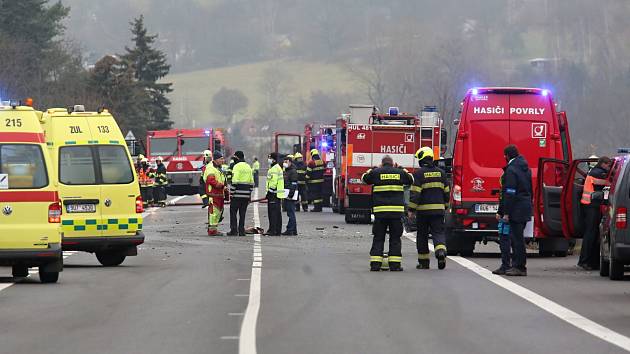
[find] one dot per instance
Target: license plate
(486, 208)
(81, 208)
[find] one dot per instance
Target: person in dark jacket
(241, 193)
(517, 206)
(388, 206)
(315, 180)
(161, 181)
(592, 197)
(291, 185)
(300, 166)
(504, 233)
(428, 200)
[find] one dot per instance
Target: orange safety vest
(144, 178)
(589, 188)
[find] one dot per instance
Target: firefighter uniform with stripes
(207, 160)
(429, 199)
(275, 195)
(146, 178)
(315, 180)
(161, 181)
(300, 167)
(592, 197)
(215, 186)
(241, 192)
(388, 205)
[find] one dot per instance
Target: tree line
(39, 62)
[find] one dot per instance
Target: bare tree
(229, 102)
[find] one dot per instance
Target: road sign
(130, 136)
(539, 130)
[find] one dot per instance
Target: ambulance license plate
(81, 208)
(486, 208)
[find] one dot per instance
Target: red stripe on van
(29, 196)
(22, 137)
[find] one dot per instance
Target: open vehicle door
(572, 226)
(548, 210)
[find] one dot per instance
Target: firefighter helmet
(424, 152)
(144, 159)
(314, 152)
(207, 153)
(297, 155)
(140, 157)
(159, 158)
(289, 157)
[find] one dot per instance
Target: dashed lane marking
(247, 338)
(561, 312)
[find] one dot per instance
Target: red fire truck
(363, 137)
(182, 151)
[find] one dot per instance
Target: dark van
(491, 118)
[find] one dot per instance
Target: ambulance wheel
(19, 271)
(615, 268)
(110, 259)
(48, 277)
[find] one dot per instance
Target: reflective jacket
(430, 191)
(275, 183)
(256, 165)
(242, 181)
(215, 181)
(300, 167)
(291, 180)
(593, 187)
(146, 177)
(517, 190)
(160, 175)
(388, 190)
(315, 171)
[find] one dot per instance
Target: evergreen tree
(149, 66)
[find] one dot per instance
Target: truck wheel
(349, 219)
(604, 269)
(19, 271)
(110, 259)
(48, 277)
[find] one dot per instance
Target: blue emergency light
(393, 111)
(545, 92)
(207, 132)
(475, 91)
(324, 144)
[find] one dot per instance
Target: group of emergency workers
(290, 184)
(428, 200)
(153, 181)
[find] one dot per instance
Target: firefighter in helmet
(207, 160)
(315, 180)
(429, 199)
(215, 189)
(161, 182)
(146, 177)
(300, 167)
(388, 206)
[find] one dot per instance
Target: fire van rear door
(551, 180)
(571, 196)
(400, 144)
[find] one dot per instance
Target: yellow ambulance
(30, 209)
(98, 185)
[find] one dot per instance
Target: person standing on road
(504, 233)
(429, 199)
(592, 197)
(215, 189)
(517, 206)
(256, 170)
(300, 167)
(161, 181)
(388, 205)
(315, 180)
(291, 185)
(241, 191)
(275, 194)
(207, 160)
(146, 176)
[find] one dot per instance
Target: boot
(395, 267)
(441, 258)
(516, 272)
(215, 233)
(375, 266)
(385, 264)
(423, 264)
(232, 233)
(305, 207)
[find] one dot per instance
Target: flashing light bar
(475, 91)
(545, 92)
(393, 111)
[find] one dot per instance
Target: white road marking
(563, 313)
(241, 295)
(247, 340)
(236, 314)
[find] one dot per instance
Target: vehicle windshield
(22, 167)
(163, 146)
(195, 146)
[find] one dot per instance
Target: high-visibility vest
(242, 181)
(592, 185)
(275, 181)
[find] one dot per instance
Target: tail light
(457, 194)
(54, 213)
(139, 206)
(621, 218)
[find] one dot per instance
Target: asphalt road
(190, 293)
